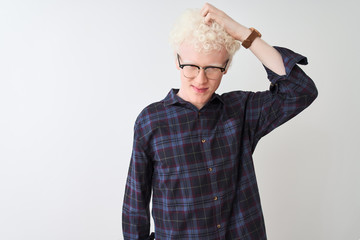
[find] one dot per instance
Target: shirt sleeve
(289, 94)
(136, 213)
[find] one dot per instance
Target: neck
(197, 105)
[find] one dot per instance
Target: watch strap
(249, 40)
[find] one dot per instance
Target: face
(198, 90)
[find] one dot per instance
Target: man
(194, 148)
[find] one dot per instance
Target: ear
(226, 69)
(176, 61)
(228, 66)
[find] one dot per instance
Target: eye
(213, 69)
(192, 68)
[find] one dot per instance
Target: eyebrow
(207, 66)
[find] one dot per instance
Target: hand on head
(233, 28)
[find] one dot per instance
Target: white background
(75, 74)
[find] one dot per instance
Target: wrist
(251, 38)
(243, 34)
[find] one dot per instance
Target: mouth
(199, 90)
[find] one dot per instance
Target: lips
(199, 90)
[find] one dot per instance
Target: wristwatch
(253, 35)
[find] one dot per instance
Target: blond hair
(191, 28)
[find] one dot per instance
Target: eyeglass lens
(211, 73)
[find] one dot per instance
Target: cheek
(185, 83)
(216, 85)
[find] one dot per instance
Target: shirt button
(215, 198)
(218, 226)
(203, 140)
(210, 169)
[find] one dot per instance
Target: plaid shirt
(198, 163)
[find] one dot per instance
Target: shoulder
(149, 119)
(235, 97)
(238, 102)
(157, 111)
(151, 113)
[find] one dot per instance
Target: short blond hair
(190, 27)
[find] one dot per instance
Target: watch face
(253, 35)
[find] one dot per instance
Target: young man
(194, 148)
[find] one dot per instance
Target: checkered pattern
(198, 163)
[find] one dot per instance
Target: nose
(201, 77)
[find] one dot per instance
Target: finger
(208, 18)
(207, 8)
(208, 5)
(204, 10)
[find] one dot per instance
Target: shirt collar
(172, 98)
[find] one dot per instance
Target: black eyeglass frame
(222, 69)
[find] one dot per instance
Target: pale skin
(199, 90)
(263, 51)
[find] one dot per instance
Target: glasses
(192, 71)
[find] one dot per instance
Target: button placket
(205, 141)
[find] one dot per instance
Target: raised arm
(268, 55)
(291, 90)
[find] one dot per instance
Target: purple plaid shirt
(198, 163)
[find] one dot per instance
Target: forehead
(189, 54)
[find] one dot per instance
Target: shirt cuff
(290, 59)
